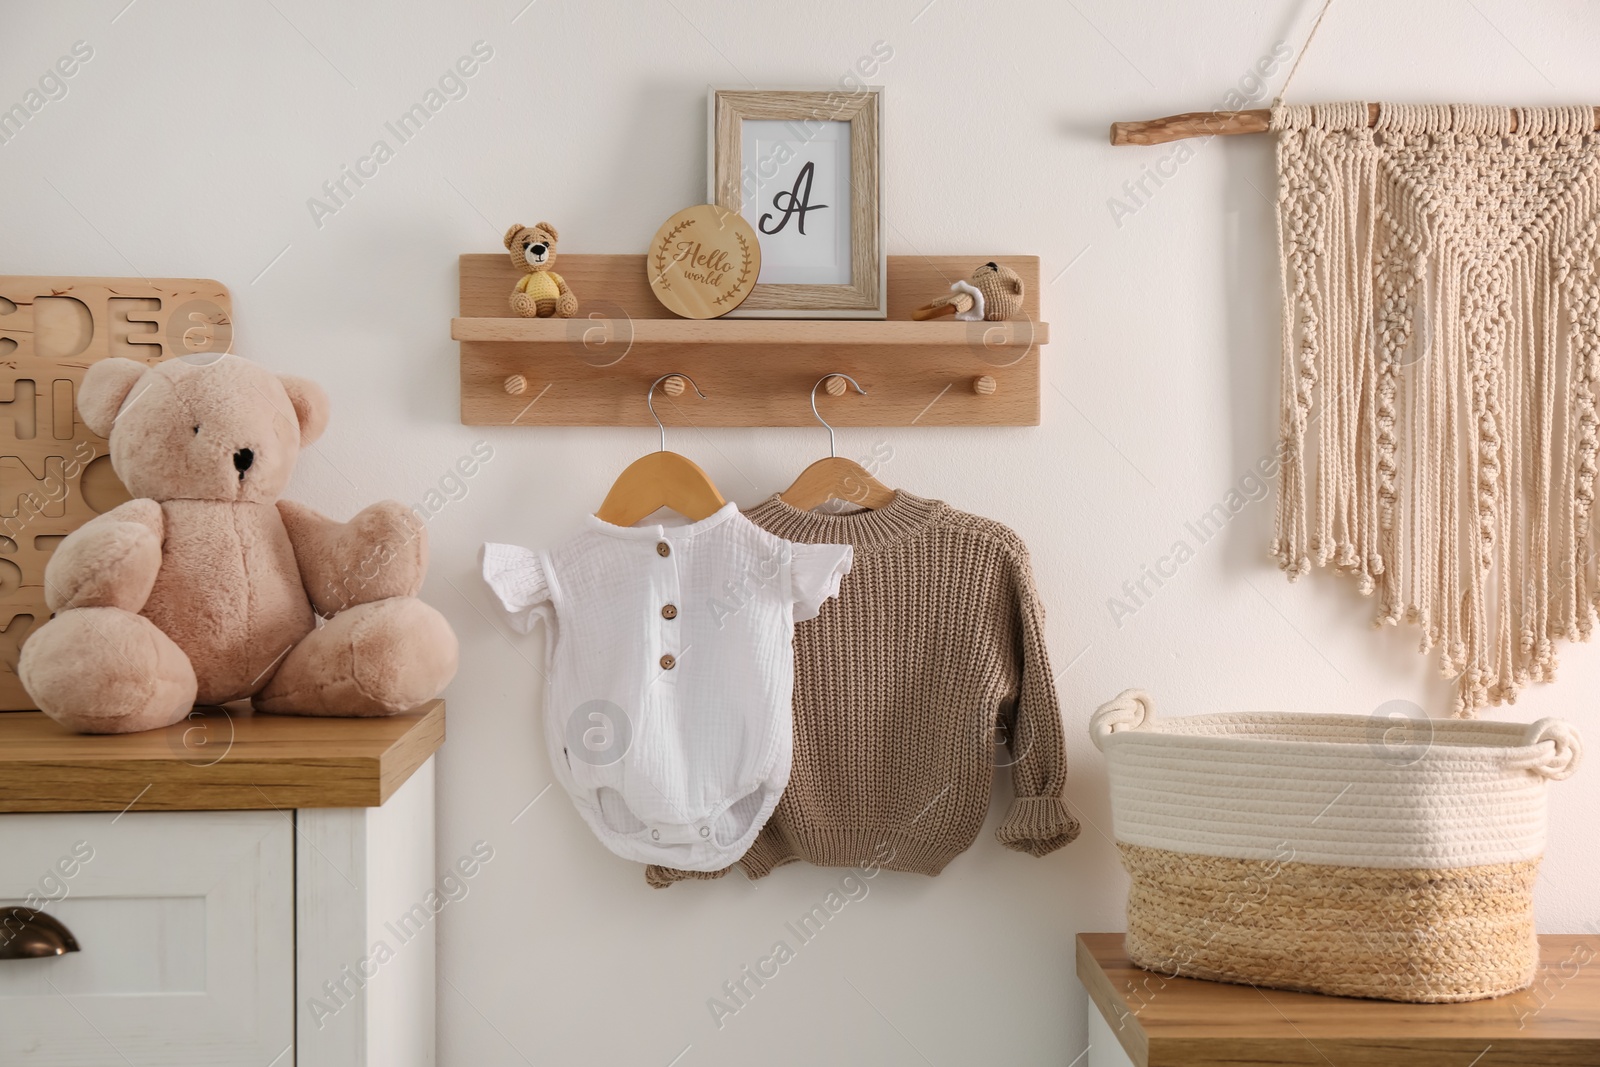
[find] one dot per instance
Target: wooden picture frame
(838, 270)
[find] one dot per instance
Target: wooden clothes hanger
(661, 479)
(835, 478)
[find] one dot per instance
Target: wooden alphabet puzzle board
(55, 473)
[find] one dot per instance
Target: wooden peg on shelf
(835, 385)
(673, 386)
(984, 385)
(516, 385)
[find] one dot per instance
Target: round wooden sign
(703, 262)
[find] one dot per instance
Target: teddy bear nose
(538, 250)
(242, 460)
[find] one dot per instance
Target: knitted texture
(1441, 328)
(927, 673)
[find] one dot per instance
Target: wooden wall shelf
(593, 370)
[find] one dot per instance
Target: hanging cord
(1315, 26)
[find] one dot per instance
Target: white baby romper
(668, 712)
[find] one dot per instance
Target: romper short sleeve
(814, 574)
(517, 576)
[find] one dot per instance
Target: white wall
(190, 143)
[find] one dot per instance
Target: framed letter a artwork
(805, 169)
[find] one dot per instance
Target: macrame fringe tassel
(1440, 427)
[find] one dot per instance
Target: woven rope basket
(1343, 854)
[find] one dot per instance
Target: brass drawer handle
(27, 934)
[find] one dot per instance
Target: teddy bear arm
(381, 553)
(566, 299)
(111, 561)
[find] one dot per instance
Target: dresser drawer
(185, 922)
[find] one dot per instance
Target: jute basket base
(1409, 934)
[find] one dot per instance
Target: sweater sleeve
(1038, 822)
(661, 877)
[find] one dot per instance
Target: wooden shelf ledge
(1181, 1022)
(775, 332)
(220, 759)
(593, 369)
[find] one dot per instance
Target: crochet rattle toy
(992, 294)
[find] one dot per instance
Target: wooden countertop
(1181, 1022)
(217, 759)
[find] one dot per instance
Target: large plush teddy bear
(206, 587)
(542, 292)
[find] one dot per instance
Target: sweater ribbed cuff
(661, 877)
(1037, 825)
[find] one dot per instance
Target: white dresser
(241, 890)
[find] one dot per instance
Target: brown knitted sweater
(906, 685)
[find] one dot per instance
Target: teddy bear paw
(107, 671)
(380, 658)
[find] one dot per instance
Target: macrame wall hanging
(1442, 332)
(1441, 369)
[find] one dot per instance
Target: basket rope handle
(1131, 710)
(1561, 759)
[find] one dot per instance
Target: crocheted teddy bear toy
(542, 292)
(992, 294)
(207, 588)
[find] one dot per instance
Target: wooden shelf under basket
(593, 369)
(1152, 1019)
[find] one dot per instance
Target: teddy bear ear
(310, 406)
(106, 385)
(511, 235)
(549, 229)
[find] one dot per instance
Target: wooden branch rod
(1210, 123)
